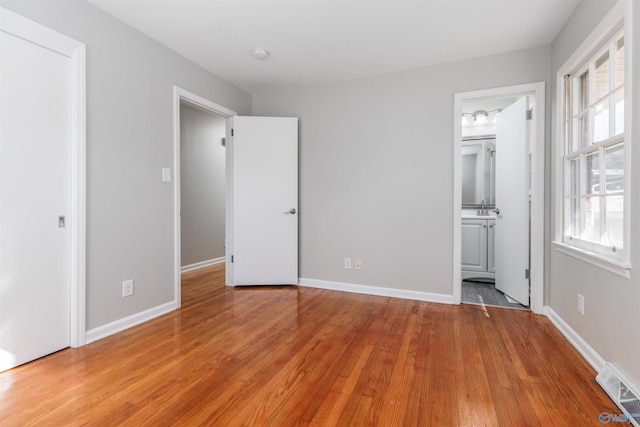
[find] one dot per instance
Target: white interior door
(512, 199)
(264, 200)
(35, 143)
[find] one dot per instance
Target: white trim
(183, 96)
(79, 202)
(27, 29)
(36, 33)
(202, 264)
(591, 356)
(377, 291)
(619, 13)
(120, 325)
(536, 90)
(612, 266)
(599, 34)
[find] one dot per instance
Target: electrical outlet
(347, 263)
(127, 288)
(580, 304)
(358, 264)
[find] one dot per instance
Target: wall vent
(622, 392)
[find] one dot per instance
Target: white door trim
(183, 96)
(27, 29)
(536, 90)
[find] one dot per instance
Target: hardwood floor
(284, 356)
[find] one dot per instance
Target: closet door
(35, 198)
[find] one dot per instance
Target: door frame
(536, 251)
(13, 23)
(182, 96)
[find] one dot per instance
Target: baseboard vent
(621, 391)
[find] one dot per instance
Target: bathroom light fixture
(481, 117)
(260, 53)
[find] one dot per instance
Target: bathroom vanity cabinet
(478, 248)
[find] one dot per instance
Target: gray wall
(376, 168)
(130, 81)
(202, 185)
(610, 322)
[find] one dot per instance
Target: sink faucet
(483, 208)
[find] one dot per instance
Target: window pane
(619, 124)
(592, 220)
(593, 173)
(614, 162)
(601, 121)
(582, 132)
(572, 205)
(594, 161)
(619, 62)
(574, 177)
(614, 221)
(583, 91)
(602, 76)
(574, 216)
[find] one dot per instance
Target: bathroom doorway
(498, 230)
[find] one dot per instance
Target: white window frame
(595, 44)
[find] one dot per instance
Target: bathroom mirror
(478, 171)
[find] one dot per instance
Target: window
(593, 161)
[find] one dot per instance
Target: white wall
(202, 185)
(610, 322)
(376, 168)
(130, 81)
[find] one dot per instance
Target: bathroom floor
(485, 293)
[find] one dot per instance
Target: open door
(512, 201)
(262, 227)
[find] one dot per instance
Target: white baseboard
(592, 356)
(375, 290)
(201, 264)
(119, 325)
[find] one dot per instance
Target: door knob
(291, 211)
(497, 211)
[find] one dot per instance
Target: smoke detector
(260, 53)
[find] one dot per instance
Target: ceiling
(320, 41)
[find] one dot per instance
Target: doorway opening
(202, 187)
(200, 159)
(490, 211)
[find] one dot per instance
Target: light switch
(166, 174)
